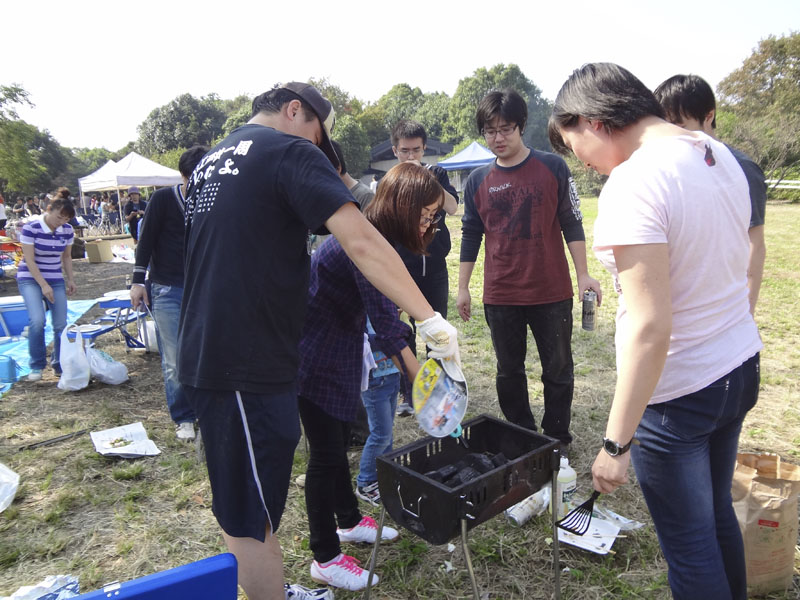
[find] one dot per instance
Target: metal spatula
(578, 519)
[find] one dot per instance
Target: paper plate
(440, 400)
(89, 328)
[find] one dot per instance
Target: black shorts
(249, 441)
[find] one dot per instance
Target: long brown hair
(397, 207)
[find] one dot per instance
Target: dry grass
(107, 519)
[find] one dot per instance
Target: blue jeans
(32, 294)
(380, 402)
(166, 302)
(551, 325)
(685, 467)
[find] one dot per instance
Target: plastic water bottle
(532, 506)
(567, 484)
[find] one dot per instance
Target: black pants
(436, 289)
(551, 325)
(329, 487)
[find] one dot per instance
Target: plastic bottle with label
(530, 507)
(567, 484)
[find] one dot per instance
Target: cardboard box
(99, 251)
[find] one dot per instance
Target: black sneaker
(369, 493)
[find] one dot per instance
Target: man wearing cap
(134, 211)
(253, 201)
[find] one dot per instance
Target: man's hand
(610, 472)
(464, 304)
(585, 282)
(139, 295)
(440, 336)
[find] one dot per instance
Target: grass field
(104, 519)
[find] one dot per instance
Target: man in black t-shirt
(251, 202)
(409, 141)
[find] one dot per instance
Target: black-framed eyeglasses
(430, 220)
(505, 131)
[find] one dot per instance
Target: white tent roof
(470, 157)
(134, 169)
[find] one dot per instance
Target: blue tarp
(18, 349)
(470, 157)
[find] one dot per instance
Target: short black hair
(602, 92)
(340, 155)
(507, 104)
(686, 96)
(273, 100)
(408, 129)
(189, 159)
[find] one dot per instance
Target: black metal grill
(433, 510)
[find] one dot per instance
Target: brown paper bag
(765, 500)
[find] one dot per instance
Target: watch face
(611, 447)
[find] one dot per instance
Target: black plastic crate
(434, 511)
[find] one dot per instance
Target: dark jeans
(329, 487)
(551, 325)
(684, 464)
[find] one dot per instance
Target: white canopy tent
(134, 169)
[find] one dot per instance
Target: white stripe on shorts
(253, 457)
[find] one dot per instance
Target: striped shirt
(48, 247)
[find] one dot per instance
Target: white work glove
(442, 338)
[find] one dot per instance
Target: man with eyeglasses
(524, 203)
(429, 272)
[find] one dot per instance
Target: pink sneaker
(344, 573)
(366, 531)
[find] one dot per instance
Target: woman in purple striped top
(46, 250)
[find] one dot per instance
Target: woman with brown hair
(331, 364)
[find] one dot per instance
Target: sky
(95, 69)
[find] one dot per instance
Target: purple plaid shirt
(331, 349)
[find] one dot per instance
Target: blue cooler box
(13, 315)
(212, 578)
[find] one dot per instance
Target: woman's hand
(610, 472)
(71, 287)
(47, 292)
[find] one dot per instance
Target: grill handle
(408, 510)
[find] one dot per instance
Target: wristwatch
(614, 449)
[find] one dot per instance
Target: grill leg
(374, 557)
(468, 560)
(556, 566)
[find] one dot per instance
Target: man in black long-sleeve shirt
(161, 248)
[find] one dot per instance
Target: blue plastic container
(8, 369)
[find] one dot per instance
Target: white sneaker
(35, 375)
(298, 592)
(185, 431)
(344, 573)
(366, 531)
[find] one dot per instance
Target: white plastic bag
(9, 483)
(106, 369)
(52, 587)
(74, 364)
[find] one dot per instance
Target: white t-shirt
(690, 193)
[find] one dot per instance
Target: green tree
(400, 102)
(343, 103)
(373, 121)
(432, 113)
(760, 105)
(354, 142)
(471, 90)
(183, 122)
(237, 113)
(30, 159)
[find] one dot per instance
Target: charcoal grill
(438, 513)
